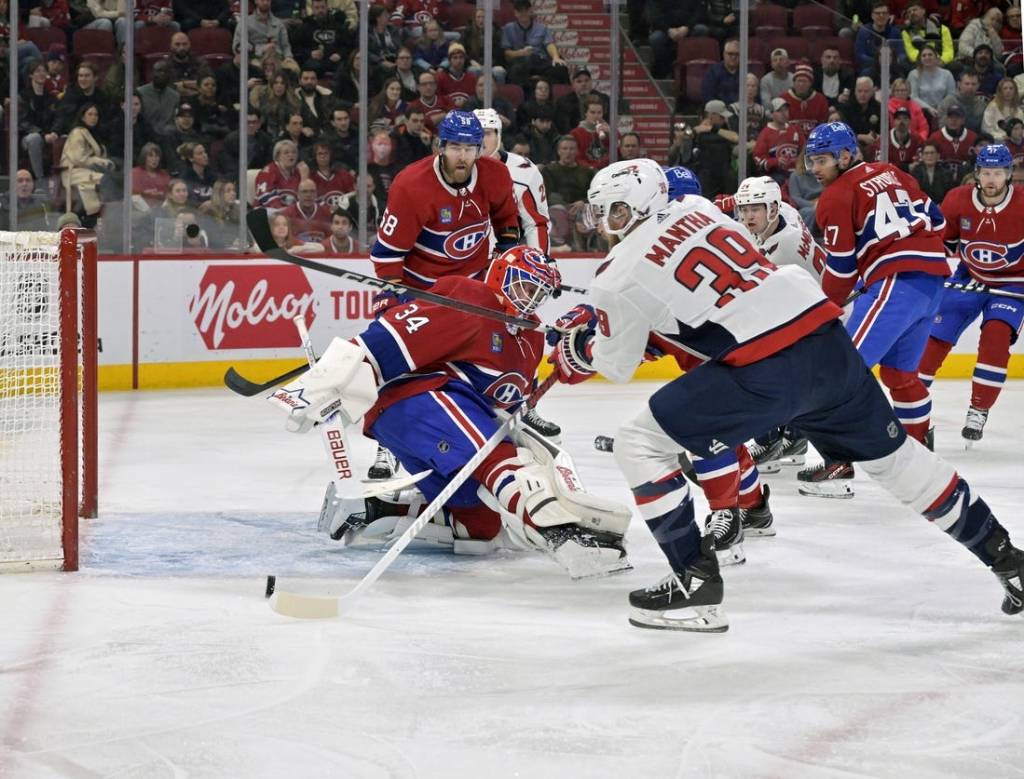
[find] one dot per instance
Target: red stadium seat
(811, 20)
(695, 80)
(511, 92)
(698, 49)
(43, 37)
(797, 48)
(210, 40)
(153, 40)
(768, 19)
(557, 90)
(214, 61)
(85, 43)
(459, 15)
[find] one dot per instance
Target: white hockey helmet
(757, 190)
(489, 120)
(640, 184)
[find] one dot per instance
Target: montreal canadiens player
(985, 230)
(427, 381)
(682, 181)
(776, 354)
(784, 239)
(882, 230)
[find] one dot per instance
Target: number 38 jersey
(692, 275)
(877, 222)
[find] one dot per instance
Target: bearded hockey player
(985, 230)
(775, 354)
(429, 381)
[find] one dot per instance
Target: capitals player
(441, 210)
(783, 238)
(985, 230)
(882, 230)
(775, 354)
(429, 380)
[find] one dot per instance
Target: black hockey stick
(237, 383)
(259, 226)
(984, 289)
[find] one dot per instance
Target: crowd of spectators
(956, 82)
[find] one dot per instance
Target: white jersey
(692, 274)
(531, 200)
(792, 244)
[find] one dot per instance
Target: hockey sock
(967, 519)
(719, 477)
(750, 482)
(990, 370)
(498, 474)
(475, 522)
(910, 400)
(677, 534)
(934, 355)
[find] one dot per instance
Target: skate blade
(840, 491)
(759, 532)
(734, 555)
(621, 567)
(770, 467)
(693, 619)
(796, 459)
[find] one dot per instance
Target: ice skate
(794, 451)
(1008, 566)
(585, 553)
(688, 600)
(766, 456)
(547, 429)
(384, 465)
(726, 528)
(974, 425)
(759, 521)
(828, 480)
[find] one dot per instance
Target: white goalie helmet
(640, 184)
(759, 190)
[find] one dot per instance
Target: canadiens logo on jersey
(985, 256)
(508, 389)
(462, 244)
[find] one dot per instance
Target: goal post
(48, 396)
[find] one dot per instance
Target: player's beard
(458, 173)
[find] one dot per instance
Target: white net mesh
(31, 475)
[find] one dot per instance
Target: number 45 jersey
(692, 275)
(877, 222)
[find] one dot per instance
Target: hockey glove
(382, 301)
(579, 316)
(572, 355)
(726, 204)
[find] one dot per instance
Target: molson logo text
(251, 307)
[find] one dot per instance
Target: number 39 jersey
(422, 346)
(693, 276)
(877, 222)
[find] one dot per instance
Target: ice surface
(863, 642)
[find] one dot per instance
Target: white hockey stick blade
(374, 487)
(289, 604)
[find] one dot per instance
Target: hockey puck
(271, 583)
(604, 443)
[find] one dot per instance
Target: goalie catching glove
(341, 382)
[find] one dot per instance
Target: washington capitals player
(776, 353)
(881, 229)
(441, 211)
(429, 380)
(985, 229)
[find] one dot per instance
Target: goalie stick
(292, 604)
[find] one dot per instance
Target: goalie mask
(523, 278)
(639, 185)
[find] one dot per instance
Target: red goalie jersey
(989, 240)
(877, 222)
(431, 230)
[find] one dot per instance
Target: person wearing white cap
(778, 144)
(778, 80)
(714, 147)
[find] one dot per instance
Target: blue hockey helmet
(682, 181)
(831, 138)
(461, 127)
(994, 155)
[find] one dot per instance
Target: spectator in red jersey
(310, 220)
(332, 181)
(900, 98)
(778, 144)
(592, 135)
(954, 142)
(50, 13)
(149, 179)
(903, 146)
(434, 106)
(455, 81)
(56, 77)
(277, 184)
(807, 107)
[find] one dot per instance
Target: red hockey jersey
(276, 189)
(422, 346)
(808, 112)
(311, 227)
(953, 152)
(989, 240)
(458, 89)
(877, 222)
(430, 230)
(776, 150)
(902, 155)
(332, 187)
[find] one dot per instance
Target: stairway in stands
(582, 33)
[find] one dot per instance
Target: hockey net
(48, 350)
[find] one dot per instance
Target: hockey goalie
(430, 383)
